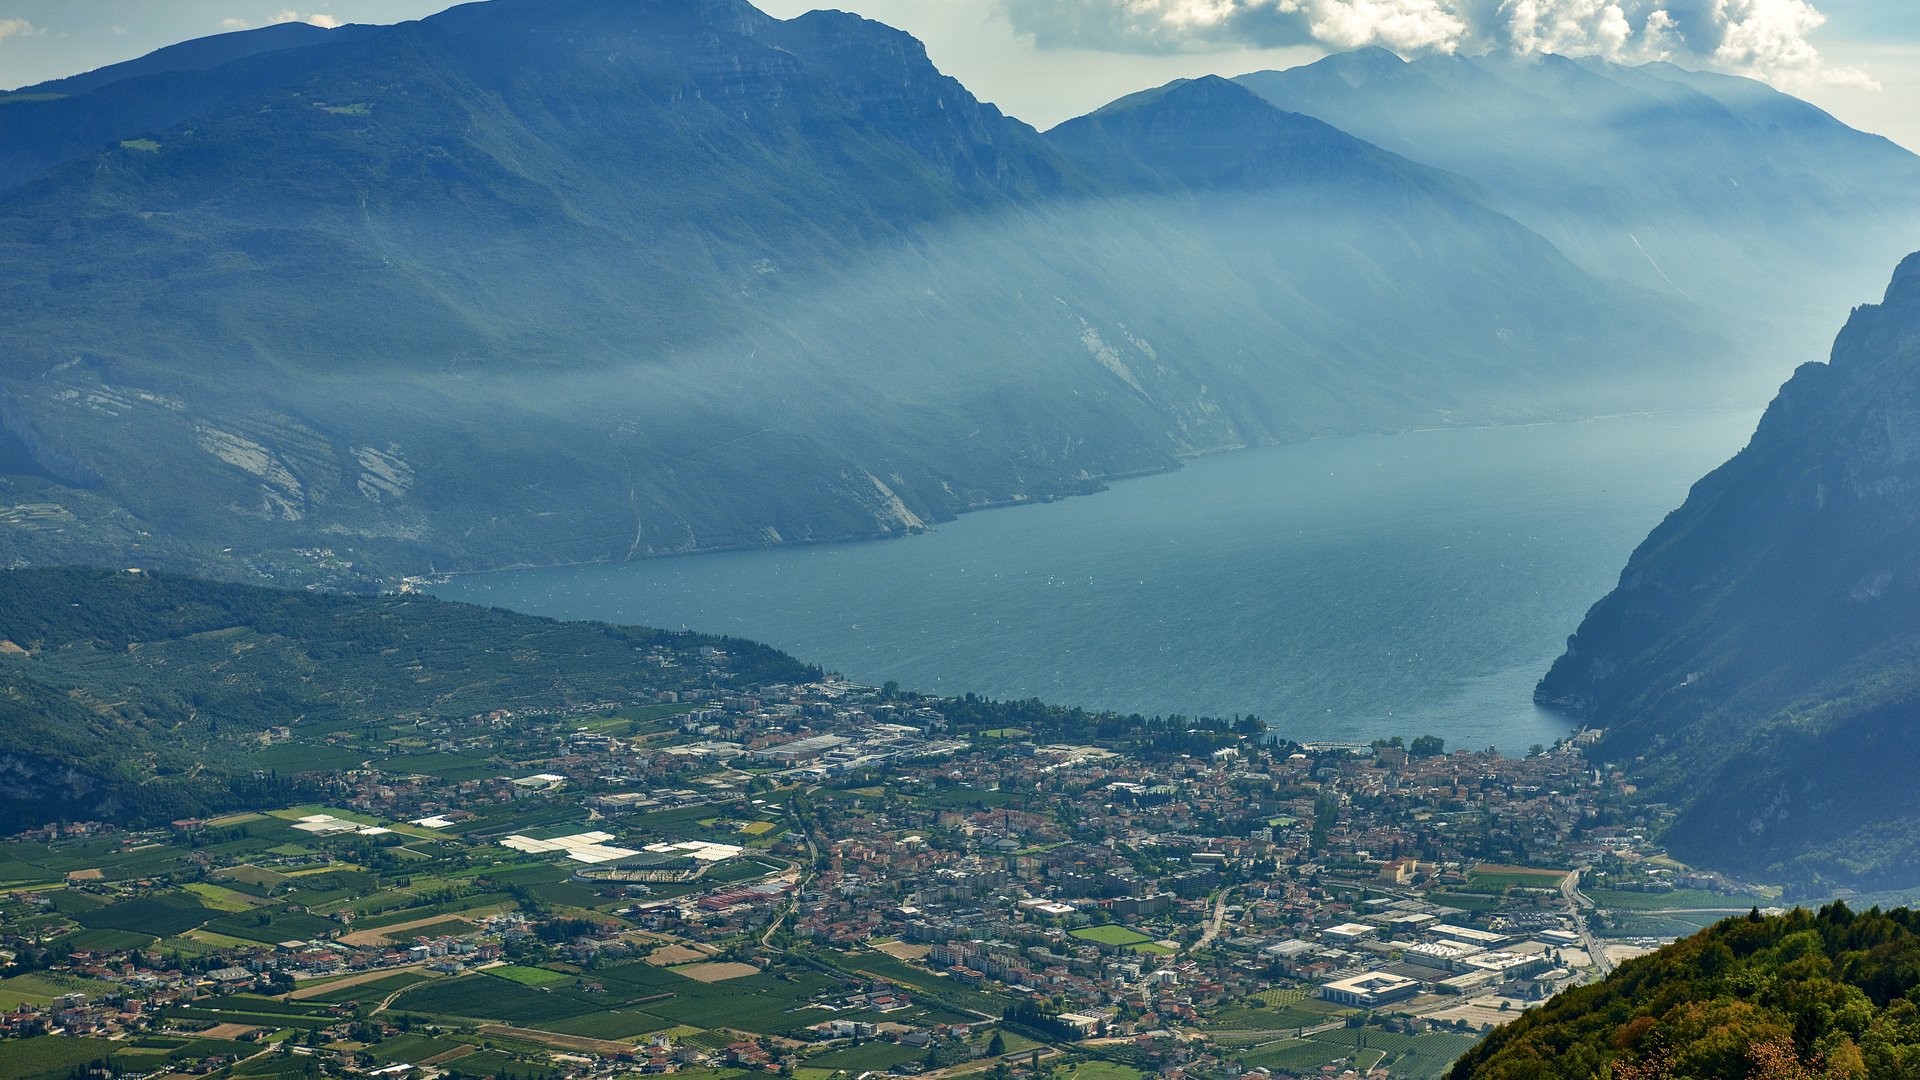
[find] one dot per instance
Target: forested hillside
(137, 697)
(1803, 995)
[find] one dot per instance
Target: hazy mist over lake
(1341, 589)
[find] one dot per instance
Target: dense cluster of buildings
(1124, 889)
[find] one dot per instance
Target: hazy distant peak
(1355, 68)
(1205, 92)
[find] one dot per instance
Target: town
(828, 880)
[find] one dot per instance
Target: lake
(1343, 589)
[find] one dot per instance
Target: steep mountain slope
(534, 282)
(1386, 248)
(65, 120)
(1767, 212)
(141, 697)
(1801, 995)
(1760, 660)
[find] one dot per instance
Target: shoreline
(413, 583)
(783, 599)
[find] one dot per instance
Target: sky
(1045, 61)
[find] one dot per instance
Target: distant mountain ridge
(601, 279)
(1759, 663)
(1764, 211)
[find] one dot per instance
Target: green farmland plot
(1102, 1070)
(445, 766)
(41, 987)
(411, 1049)
(612, 1024)
(271, 927)
(1417, 1057)
(527, 976)
(376, 990)
(501, 1066)
(106, 940)
(1495, 876)
(1293, 1055)
(633, 999)
(161, 915)
(50, 1057)
(482, 997)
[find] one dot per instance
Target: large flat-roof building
(1370, 991)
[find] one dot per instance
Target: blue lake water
(1342, 589)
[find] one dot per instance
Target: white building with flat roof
(1370, 991)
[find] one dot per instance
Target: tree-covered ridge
(1827, 994)
(137, 696)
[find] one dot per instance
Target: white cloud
(1596, 27)
(10, 28)
(1401, 25)
(1770, 39)
(286, 15)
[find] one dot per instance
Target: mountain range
(580, 280)
(1706, 187)
(1759, 663)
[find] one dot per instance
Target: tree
(1428, 746)
(997, 1046)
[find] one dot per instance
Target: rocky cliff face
(1760, 660)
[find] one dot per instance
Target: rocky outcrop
(1759, 663)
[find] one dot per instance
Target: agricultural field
(270, 927)
(1300, 1013)
(51, 1057)
(106, 940)
(41, 987)
(1414, 1057)
(499, 1065)
(161, 914)
(223, 899)
(411, 1049)
(612, 1025)
(1491, 875)
(1098, 1070)
(445, 766)
(371, 990)
(1675, 900)
(482, 997)
(252, 1011)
